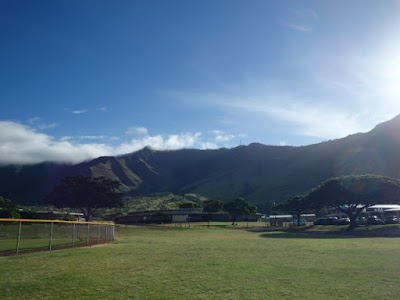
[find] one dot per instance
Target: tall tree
(86, 194)
(188, 204)
(8, 208)
(352, 194)
(239, 207)
(212, 206)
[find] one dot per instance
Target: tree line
(88, 194)
(348, 194)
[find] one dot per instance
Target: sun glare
(381, 89)
(388, 72)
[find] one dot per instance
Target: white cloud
(37, 123)
(292, 112)
(66, 138)
(301, 20)
(314, 120)
(298, 26)
(44, 126)
(337, 97)
(137, 131)
(221, 136)
(91, 137)
(34, 120)
(209, 145)
(178, 141)
(20, 144)
(216, 132)
(79, 111)
(159, 142)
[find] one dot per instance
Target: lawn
(209, 263)
(43, 243)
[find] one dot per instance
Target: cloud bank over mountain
(22, 144)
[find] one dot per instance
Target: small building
(379, 210)
(51, 215)
(162, 216)
(383, 210)
(180, 215)
(287, 220)
(279, 220)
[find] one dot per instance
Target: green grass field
(209, 263)
(10, 244)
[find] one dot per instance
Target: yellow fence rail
(26, 235)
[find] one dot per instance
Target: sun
(381, 88)
(388, 72)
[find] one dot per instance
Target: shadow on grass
(310, 233)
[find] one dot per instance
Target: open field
(10, 244)
(209, 263)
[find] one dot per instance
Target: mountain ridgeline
(262, 174)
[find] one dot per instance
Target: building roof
(384, 206)
(183, 211)
(280, 216)
(393, 209)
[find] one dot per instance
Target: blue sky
(81, 79)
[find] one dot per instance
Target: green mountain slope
(262, 174)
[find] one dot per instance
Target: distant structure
(179, 215)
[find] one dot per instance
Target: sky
(89, 78)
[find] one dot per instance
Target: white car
(299, 222)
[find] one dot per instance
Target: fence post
(73, 236)
(51, 235)
(88, 234)
(106, 234)
(113, 232)
(98, 234)
(19, 235)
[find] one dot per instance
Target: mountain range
(260, 173)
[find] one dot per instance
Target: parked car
(321, 221)
(374, 220)
(299, 222)
(326, 221)
(342, 221)
(361, 220)
(331, 220)
(391, 220)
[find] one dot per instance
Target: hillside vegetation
(261, 174)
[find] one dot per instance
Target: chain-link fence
(23, 235)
